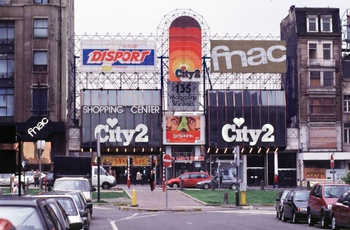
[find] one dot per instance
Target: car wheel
(279, 216)
(294, 218)
(105, 186)
(284, 219)
(206, 186)
(334, 224)
(175, 185)
(233, 187)
(324, 222)
(310, 220)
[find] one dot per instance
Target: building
(33, 72)
(313, 86)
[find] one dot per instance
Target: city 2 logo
(113, 133)
(245, 134)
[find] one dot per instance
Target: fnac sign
(229, 56)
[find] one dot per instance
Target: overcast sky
(231, 17)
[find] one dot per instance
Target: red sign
(332, 161)
(167, 160)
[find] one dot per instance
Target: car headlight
(329, 206)
(302, 209)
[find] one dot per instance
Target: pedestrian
(151, 179)
(275, 181)
(36, 178)
(138, 178)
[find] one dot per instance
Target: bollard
(308, 185)
(225, 198)
(133, 199)
(262, 184)
(181, 185)
(243, 198)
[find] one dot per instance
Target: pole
(166, 189)
(40, 182)
(98, 165)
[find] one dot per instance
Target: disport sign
(228, 56)
(118, 56)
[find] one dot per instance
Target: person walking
(151, 179)
(138, 178)
(275, 181)
(36, 178)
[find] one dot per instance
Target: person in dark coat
(151, 179)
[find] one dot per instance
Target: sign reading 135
(183, 96)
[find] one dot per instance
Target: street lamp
(40, 144)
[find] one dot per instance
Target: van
(190, 179)
(106, 181)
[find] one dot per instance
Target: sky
(232, 17)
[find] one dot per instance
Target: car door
(288, 205)
(186, 180)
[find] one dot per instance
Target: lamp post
(40, 144)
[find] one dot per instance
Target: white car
(29, 176)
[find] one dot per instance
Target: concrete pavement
(159, 200)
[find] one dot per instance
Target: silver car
(226, 182)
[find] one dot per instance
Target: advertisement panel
(183, 96)
(185, 50)
(122, 118)
(184, 129)
(259, 121)
(118, 56)
(231, 56)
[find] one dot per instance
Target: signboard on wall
(184, 129)
(185, 50)
(232, 56)
(183, 96)
(122, 118)
(118, 56)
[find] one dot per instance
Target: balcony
(318, 62)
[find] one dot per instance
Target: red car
(190, 179)
(340, 212)
(320, 201)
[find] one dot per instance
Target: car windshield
(22, 217)
(335, 191)
(301, 196)
(68, 206)
(71, 185)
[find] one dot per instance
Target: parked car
(279, 201)
(28, 177)
(322, 196)
(70, 207)
(79, 199)
(29, 213)
(60, 213)
(226, 182)
(340, 212)
(6, 225)
(73, 184)
(190, 179)
(294, 206)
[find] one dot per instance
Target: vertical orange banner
(185, 50)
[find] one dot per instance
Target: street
(110, 217)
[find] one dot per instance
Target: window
(346, 103)
(7, 64)
(7, 102)
(40, 27)
(40, 101)
(347, 133)
(7, 32)
(312, 50)
(321, 78)
(312, 25)
(322, 106)
(41, 1)
(326, 51)
(40, 61)
(326, 23)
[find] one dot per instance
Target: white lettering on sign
(261, 56)
(145, 109)
(113, 133)
(41, 124)
(247, 135)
